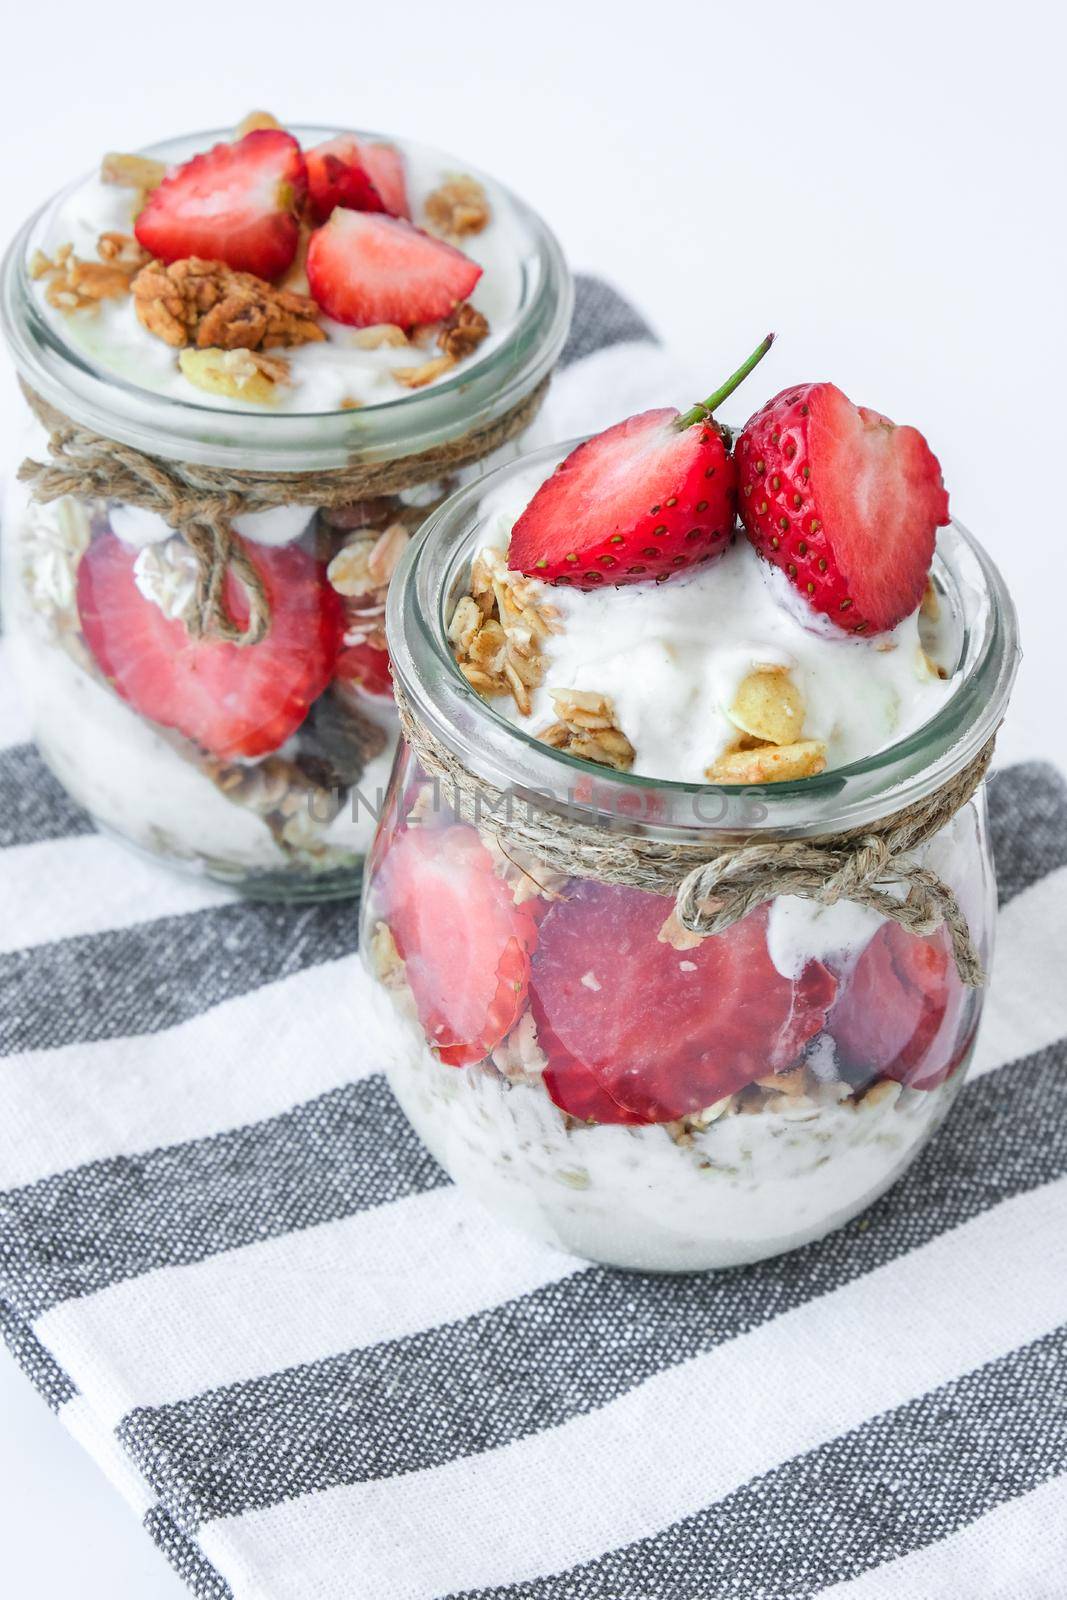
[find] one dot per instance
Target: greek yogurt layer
(672, 656)
(338, 373)
(655, 1199)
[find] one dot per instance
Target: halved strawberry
(238, 203)
(648, 497)
(233, 700)
(465, 943)
(844, 502)
(661, 1032)
(365, 268)
(367, 666)
(898, 1015)
(341, 172)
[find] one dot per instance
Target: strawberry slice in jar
(663, 1033)
(899, 1014)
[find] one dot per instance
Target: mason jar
(736, 1095)
(260, 764)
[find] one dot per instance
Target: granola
(458, 207)
(783, 763)
(587, 728)
(208, 304)
(76, 285)
(497, 631)
(462, 332)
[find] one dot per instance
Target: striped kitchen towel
(320, 1372)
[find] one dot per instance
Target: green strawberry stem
(701, 412)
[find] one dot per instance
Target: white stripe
(1027, 1004)
(65, 888)
(677, 1443)
(83, 1423)
(389, 1273)
(1016, 1552)
(14, 722)
(244, 1060)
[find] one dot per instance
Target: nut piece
(379, 336)
(208, 304)
(428, 372)
(462, 332)
(460, 206)
(386, 960)
(587, 728)
(768, 706)
(76, 285)
(132, 172)
(253, 122)
(237, 374)
(930, 605)
(497, 631)
(770, 763)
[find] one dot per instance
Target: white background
(882, 185)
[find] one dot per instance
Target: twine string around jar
(714, 886)
(200, 502)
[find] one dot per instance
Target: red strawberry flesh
(338, 176)
(465, 943)
(233, 700)
(238, 203)
(385, 166)
(366, 268)
(368, 667)
(844, 502)
(661, 1032)
(898, 1015)
(639, 501)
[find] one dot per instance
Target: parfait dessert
(256, 361)
(601, 667)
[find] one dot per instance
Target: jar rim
(294, 441)
(853, 795)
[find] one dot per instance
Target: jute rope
(715, 886)
(200, 502)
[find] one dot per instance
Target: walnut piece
(587, 728)
(459, 206)
(237, 374)
(462, 332)
(497, 631)
(76, 285)
(208, 304)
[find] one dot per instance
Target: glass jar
(728, 1098)
(283, 802)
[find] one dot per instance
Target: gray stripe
(573, 1346)
(601, 318)
(33, 806)
(898, 1483)
(1028, 824)
(154, 975)
(186, 1557)
(99, 1224)
(43, 1371)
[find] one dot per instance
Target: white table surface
(882, 186)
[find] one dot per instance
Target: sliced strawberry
(233, 700)
(898, 1016)
(367, 666)
(844, 502)
(365, 268)
(651, 496)
(387, 171)
(662, 1032)
(238, 203)
(465, 943)
(338, 177)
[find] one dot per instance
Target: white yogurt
(671, 657)
(321, 375)
(746, 1188)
